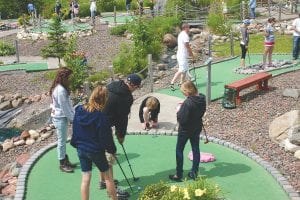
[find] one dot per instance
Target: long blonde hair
(97, 99)
(189, 88)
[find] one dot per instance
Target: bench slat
(249, 81)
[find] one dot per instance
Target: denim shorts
(87, 159)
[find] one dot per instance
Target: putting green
(222, 74)
(28, 67)
(69, 27)
(153, 159)
(120, 17)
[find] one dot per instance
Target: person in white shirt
(93, 9)
(184, 51)
(62, 113)
(296, 37)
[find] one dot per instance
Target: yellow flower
(199, 192)
(186, 194)
(173, 188)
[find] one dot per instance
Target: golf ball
(139, 188)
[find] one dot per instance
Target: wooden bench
(259, 79)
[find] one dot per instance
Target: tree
(57, 46)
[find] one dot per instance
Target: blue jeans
(87, 159)
(61, 125)
(181, 142)
(252, 13)
(296, 41)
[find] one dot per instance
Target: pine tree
(57, 46)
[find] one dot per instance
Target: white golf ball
(139, 188)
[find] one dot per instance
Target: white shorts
(183, 65)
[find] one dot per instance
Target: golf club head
(206, 141)
(136, 178)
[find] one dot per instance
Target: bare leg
(270, 55)
(146, 114)
(182, 78)
(266, 50)
(85, 185)
(110, 185)
(243, 63)
(177, 74)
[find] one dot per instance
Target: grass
(283, 44)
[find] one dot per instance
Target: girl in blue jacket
(92, 137)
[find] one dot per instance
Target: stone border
(282, 181)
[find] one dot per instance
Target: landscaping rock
(34, 134)
(46, 135)
(170, 40)
(291, 93)
(19, 142)
(17, 102)
(5, 105)
(294, 135)
(25, 135)
(7, 144)
(297, 154)
(288, 146)
(29, 141)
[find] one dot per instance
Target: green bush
(74, 61)
(216, 20)
(125, 62)
(6, 49)
(84, 9)
(50, 75)
(199, 189)
(119, 30)
(99, 76)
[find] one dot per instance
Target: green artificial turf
(28, 67)
(152, 159)
(222, 73)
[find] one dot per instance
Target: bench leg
(265, 85)
(259, 85)
(238, 98)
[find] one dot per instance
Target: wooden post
(208, 86)
(280, 10)
(17, 51)
(243, 10)
(176, 11)
(150, 71)
(231, 44)
(269, 7)
(115, 15)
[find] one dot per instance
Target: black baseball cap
(134, 79)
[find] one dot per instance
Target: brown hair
(189, 88)
(151, 103)
(97, 99)
(62, 78)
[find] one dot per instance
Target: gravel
(246, 126)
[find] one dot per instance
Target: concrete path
(166, 118)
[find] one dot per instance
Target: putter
(134, 178)
(206, 138)
(123, 173)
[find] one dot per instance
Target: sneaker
(66, 168)
(192, 175)
(102, 184)
(154, 124)
(175, 178)
(172, 87)
(121, 194)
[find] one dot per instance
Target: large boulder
(295, 93)
(170, 40)
(279, 128)
(294, 135)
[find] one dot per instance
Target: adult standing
(252, 6)
(92, 137)
(190, 122)
(128, 5)
(183, 52)
(269, 42)
(57, 8)
(244, 41)
(93, 9)
(62, 113)
(117, 109)
(296, 37)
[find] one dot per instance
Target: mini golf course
(28, 67)
(153, 159)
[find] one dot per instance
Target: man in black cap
(117, 109)
(119, 103)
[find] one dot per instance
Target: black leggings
(244, 51)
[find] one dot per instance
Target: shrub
(50, 75)
(119, 30)
(216, 20)
(84, 10)
(74, 61)
(6, 49)
(99, 76)
(199, 189)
